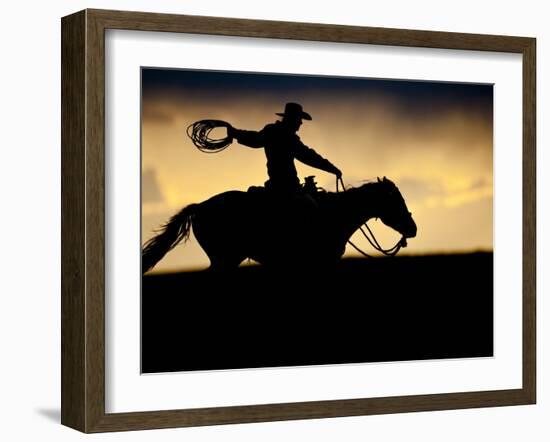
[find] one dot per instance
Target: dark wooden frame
(83, 216)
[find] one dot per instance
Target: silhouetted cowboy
(282, 146)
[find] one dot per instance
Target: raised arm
(308, 156)
(250, 138)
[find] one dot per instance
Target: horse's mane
(331, 198)
(366, 185)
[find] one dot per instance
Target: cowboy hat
(294, 110)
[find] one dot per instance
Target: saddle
(308, 188)
(296, 208)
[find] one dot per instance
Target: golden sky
(434, 140)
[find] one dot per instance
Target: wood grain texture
(83, 218)
(529, 220)
(307, 31)
(307, 410)
(95, 221)
(73, 255)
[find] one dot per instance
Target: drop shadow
(51, 414)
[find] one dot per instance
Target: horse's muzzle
(410, 231)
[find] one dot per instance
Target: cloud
(158, 114)
(438, 193)
(439, 152)
(150, 189)
(418, 190)
(480, 183)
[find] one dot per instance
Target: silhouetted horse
(276, 231)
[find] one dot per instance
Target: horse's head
(393, 210)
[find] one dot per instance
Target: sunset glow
(434, 140)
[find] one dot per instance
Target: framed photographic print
(267, 221)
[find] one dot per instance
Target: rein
(392, 251)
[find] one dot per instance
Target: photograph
(293, 220)
(268, 220)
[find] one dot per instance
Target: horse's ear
(378, 178)
(385, 179)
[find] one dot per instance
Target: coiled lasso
(199, 132)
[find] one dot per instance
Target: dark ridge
(390, 309)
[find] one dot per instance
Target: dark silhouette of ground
(366, 310)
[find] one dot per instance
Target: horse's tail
(170, 235)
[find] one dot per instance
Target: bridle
(392, 251)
